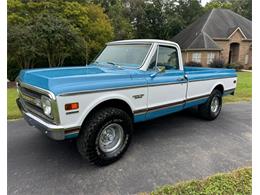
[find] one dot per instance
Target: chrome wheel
(214, 104)
(111, 137)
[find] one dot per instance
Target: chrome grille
(31, 101)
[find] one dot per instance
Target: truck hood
(83, 78)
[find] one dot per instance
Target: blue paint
(169, 76)
(92, 77)
(198, 73)
(162, 112)
(195, 103)
(74, 79)
(139, 118)
(70, 136)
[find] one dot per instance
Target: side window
(168, 57)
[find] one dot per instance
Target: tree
(218, 4)
(241, 7)
(118, 13)
(93, 25)
(189, 10)
(55, 30)
(21, 45)
(55, 38)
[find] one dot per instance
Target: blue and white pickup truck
(129, 81)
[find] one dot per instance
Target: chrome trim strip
(37, 89)
(72, 112)
(209, 79)
(50, 127)
(119, 88)
(100, 90)
(163, 106)
(55, 113)
(133, 87)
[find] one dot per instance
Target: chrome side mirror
(160, 69)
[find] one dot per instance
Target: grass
(237, 182)
(244, 88)
(243, 93)
(12, 110)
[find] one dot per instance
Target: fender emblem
(138, 96)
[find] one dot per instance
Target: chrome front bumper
(53, 131)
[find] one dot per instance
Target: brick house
(220, 34)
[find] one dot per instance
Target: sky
(203, 2)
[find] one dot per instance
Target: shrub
(238, 67)
(217, 63)
(12, 71)
(250, 68)
(193, 64)
(230, 66)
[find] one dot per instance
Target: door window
(168, 57)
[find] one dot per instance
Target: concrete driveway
(163, 151)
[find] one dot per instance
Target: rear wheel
(105, 137)
(211, 109)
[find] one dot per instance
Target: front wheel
(211, 109)
(104, 138)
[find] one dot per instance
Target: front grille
(31, 101)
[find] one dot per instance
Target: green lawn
(12, 110)
(237, 182)
(243, 93)
(244, 88)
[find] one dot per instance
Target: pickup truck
(128, 82)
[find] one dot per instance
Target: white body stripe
(155, 96)
(166, 94)
(200, 88)
(89, 101)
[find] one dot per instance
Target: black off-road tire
(205, 109)
(87, 143)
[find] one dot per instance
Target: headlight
(46, 105)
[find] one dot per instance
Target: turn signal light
(72, 106)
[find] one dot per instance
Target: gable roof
(215, 24)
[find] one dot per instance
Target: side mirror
(160, 69)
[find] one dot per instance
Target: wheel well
(116, 103)
(220, 88)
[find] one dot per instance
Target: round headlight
(46, 105)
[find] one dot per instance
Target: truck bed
(202, 73)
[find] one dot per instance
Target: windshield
(124, 55)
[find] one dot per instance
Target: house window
(196, 57)
(246, 59)
(210, 58)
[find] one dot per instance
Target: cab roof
(141, 41)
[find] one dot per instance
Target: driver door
(167, 88)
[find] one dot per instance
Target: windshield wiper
(112, 63)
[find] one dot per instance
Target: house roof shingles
(216, 24)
